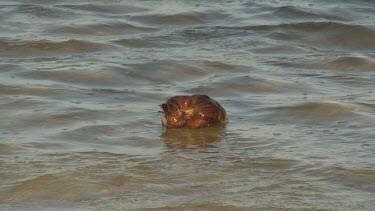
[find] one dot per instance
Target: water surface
(81, 81)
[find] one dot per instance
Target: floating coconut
(194, 111)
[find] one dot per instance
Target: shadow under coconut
(193, 138)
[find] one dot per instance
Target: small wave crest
(22, 48)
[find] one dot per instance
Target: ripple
(194, 17)
(293, 13)
(140, 43)
(346, 63)
(43, 11)
(318, 34)
(22, 48)
(91, 133)
(43, 91)
(92, 78)
(161, 72)
(281, 49)
(322, 109)
(49, 118)
(102, 29)
(353, 80)
(125, 138)
(330, 35)
(207, 33)
(297, 13)
(358, 178)
(11, 68)
(342, 62)
(107, 9)
(241, 84)
(18, 104)
(171, 72)
(9, 148)
(50, 187)
(266, 163)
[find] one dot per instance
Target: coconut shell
(194, 111)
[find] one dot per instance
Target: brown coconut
(194, 111)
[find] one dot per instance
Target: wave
(103, 29)
(93, 78)
(346, 62)
(140, 43)
(43, 11)
(105, 8)
(322, 109)
(194, 17)
(315, 34)
(292, 13)
(31, 47)
(350, 63)
(241, 84)
(43, 188)
(172, 72)
(358, 178)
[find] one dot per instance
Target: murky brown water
(81, 81)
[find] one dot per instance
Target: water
(81, 82)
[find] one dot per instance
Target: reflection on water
(196, 138)
(81, 81)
